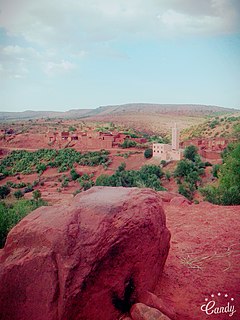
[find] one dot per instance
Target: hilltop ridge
(114, 110)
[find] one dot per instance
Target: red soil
(203, 260)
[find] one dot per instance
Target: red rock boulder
(91, 259)
(140, 311)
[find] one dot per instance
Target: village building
(209, 148)
(169, 152)
(91, 139)
(64, 135)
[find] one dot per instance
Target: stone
(140, 311)
(89, 259)
(153, 301)
(180, 201)
(167, 196)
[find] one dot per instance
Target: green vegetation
(4, 191)
(214, 123)
(128, 143)
(11, 214)
(18, 194)
(37, 195)
(25, 162)
(85, 181)
(148, 153)
(190, 153)
(158, 139)
(228, 190)
(188, 172)
(72, 129)
(146, 177)
(74, 174)
(228, 127)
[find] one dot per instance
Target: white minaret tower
(175, 137)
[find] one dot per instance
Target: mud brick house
(209, 149)
(119, 138)
(52, 136)
(65, 135)
(9, 131)
(74, 137)
(92, 139)
(139, 140)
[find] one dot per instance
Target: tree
(228, 190)
(148, 153)
(190, 153)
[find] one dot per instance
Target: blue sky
(61, 55)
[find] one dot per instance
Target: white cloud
(55, 32)
(53, 68)
(75, 23)
(187, 24)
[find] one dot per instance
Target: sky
(74, 54)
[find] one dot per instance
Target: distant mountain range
(115, 110)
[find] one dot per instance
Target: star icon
(232, 299)
(226, 295)
(219, 294)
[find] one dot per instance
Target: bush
(148, 153)
(185, 191)
(146, 177)
(228, 190)
(163, 163)
(18, 194)
(37, 195)
(168, 175)
(215, 170)
(11, 214)
(190, 153)
(65, 183)
(29, 188)
(103, 180)
(25, 162)
(74, 174)
(128, 143)
(4, 191)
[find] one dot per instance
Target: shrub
(18, 194)
(168, 175)
(148, 153)
(215, 170)
(122, 167)
(65, 183)
(185, 191)
(228, 191)
(11, 214)
(190, 152)
(37, 195)
(128, 143)
(29, 188)
(74, 174)
(163, 163)
(4, 191)
(76, 192)
(146, 177)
